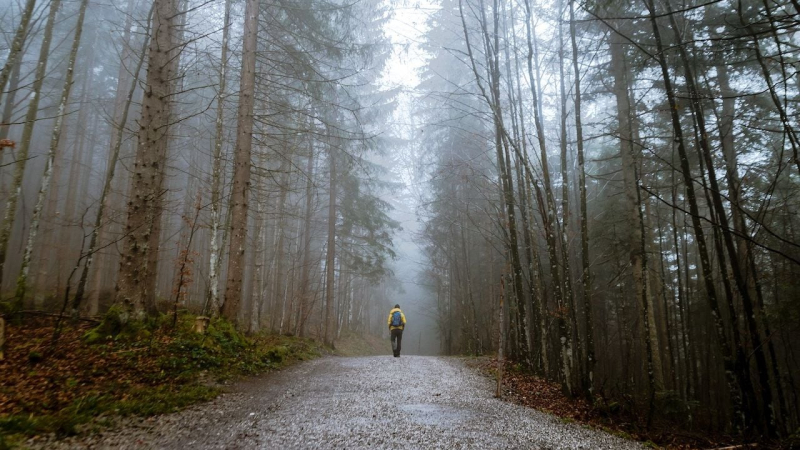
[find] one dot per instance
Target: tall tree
(586, 276)
(126, 99)
(135, 280)
(330, 255)
(241, 165)
(27, 134)
(15, 52)
(216, 172)
(22, 278)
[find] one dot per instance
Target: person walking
(396, 322)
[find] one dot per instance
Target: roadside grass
(353, 344)
(95, 374)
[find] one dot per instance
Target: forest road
(364, 402)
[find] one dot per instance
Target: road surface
(367, 402)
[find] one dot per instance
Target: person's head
(397, 306)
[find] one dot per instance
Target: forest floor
(531, 391)
(93, 376)
(351, 344)
(355, 402)
(95, 389)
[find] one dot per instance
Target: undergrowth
(620, 418)
(96, 373)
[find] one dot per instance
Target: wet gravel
(369, 402)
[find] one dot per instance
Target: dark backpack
(397, 319)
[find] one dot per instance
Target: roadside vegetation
(672, 431)
(96, 372)
(355, 344)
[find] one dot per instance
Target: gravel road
(369, 402)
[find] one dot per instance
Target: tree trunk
(135, 281)
(258, 291)
(733, 374)
(280, 272)
(548, 212)
(565, 214)
(241, 170)
(27, 131)
(15, 52)
(104, 200)
(8, 108)
(306, 260)
(636, 241)
(683, 307)
(740, 277)
(212, 297)
(746, 257)
(506, 179)
(51, 155)
(586, 276)
(330, 257)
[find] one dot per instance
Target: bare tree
(27, 134)
(55, 139)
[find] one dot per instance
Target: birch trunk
(8, 108)
(22, 279)
(27, 135)
(212, 297)
(15, 52)
(688, 347)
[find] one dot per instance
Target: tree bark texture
(241, 165)
(135, 281)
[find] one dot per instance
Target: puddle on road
(429, 414)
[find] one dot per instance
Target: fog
(604, 193)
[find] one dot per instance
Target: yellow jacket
(389, 320)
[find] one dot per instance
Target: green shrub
(277, 354)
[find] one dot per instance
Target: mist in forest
(604, 193)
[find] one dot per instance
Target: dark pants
(397, 338)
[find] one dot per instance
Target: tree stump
(201, 324)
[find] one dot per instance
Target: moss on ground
(120, 369)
